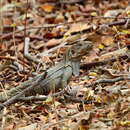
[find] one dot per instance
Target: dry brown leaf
(88, 8)
(50, 35)
(46, 59)
(2, 46)
(107, 40)
(7, 21)
(47, 7)
(77, 27)
(52, 42)
(10, 127)
(20, 47)
(59, 19)
(29, 127)
(98, 125)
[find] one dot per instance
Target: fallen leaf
(49, 100)
(92, 74)
(29, 127)
(77, 27)
(125, 123)
(10, 127)
(59, 19)
(111, 115)
(98, 125)
(53, 42)
(107, 40)
(110, 13)
(47, 7)
(101, 46)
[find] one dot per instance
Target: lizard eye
(72, 51)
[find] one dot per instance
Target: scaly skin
(56, 77)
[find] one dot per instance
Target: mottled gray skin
(56, 77)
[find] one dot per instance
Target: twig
(39, 98)
(21, 36)
(26, 52)
(71, 40)
(93, 85)
(3, 119)
(52, 49)
(8, 57)
(43, 97)
(8, 35)
(116, 54)
(110, 17)
(108, 57)
(127, 23)
(117, 23)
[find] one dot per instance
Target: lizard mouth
(78, 57)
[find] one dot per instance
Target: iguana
(56, 77)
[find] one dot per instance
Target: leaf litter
(106, 24)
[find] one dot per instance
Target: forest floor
(104, 77)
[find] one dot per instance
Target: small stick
(8, 57)
(108, 57)
(26, 52)
(93, 85)
(39, 98)
(4, 36)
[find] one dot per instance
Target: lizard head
(75, 53)
(80, 49)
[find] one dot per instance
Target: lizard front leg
(66, 76)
